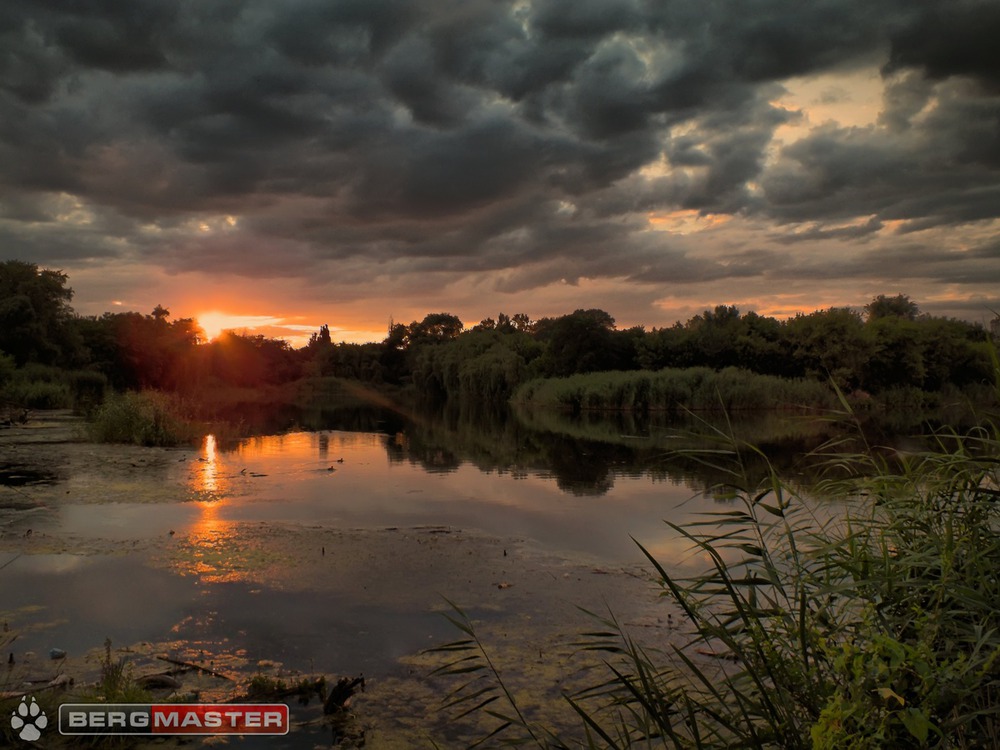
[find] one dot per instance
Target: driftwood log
(59, 682)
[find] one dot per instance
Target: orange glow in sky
(214, 323)
(685, 221)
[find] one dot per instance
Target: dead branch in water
(191, 665)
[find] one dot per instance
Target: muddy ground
(525, 603)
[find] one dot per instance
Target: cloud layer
(510, 146)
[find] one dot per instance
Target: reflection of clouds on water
(373, 480)
(44, 563)
(74, 602)
(570, 494)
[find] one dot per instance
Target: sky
(281, 165)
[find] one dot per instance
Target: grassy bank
(230, 413)
(36, 386)
(875, 628)
(695, 389)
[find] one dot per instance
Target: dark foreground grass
(879, 628)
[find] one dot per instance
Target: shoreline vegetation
(675, 390)
(889, 359)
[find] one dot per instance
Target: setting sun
(213, 323)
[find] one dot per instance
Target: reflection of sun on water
(208, 477)
(208, 548)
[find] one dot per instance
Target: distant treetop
(900, 306)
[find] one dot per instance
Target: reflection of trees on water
(581, 468)
(433, 458)
(586, 454)
(265, 418)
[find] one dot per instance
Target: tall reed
(876, 627)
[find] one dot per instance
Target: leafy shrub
(142, 418)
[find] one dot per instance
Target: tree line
(888, 345)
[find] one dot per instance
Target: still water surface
(202, 572)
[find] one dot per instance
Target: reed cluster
(875, 626)
(676, 390)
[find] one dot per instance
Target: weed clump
(140, 418)
(117, 683)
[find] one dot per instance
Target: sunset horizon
(297, 329)
(305, 164)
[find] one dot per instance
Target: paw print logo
(29, 719)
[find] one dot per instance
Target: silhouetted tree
(580, 342)
(900, 306)
(829, 344)
(35, 316)
(321, 338)
(251, 360)
(895, 357)
(143, 351)
(505, 323)
(954, 352)
(393, 356)
(713, 336)
(435, 328)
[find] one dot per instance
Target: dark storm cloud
(940, 262)
(480, 135)
(822, 232)
(951, 39)
(941, 171)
